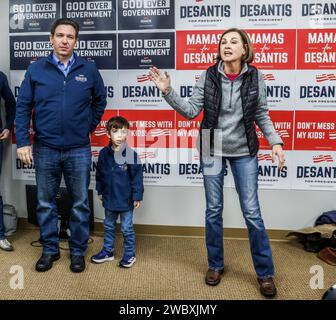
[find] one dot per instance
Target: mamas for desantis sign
(196, 49)
(274, 49)
(316, 49)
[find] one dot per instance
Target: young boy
(119, 183)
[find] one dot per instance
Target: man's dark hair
(117, 123)
(65, 21)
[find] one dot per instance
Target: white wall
(181, 206)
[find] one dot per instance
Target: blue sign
(146, 14)
(32, 15)
(91, 15)
(141, 51)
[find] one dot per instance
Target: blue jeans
(245, 173)
(126, 222)
(2, 227)
(74, 164)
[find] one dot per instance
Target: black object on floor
(330, 294)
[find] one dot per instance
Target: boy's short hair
(117, 123)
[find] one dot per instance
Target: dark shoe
(267, 287)
(46, 262)
(77, 263)
(213, 277)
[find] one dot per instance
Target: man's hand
(4, 134)
(136, 204)
(25, 154)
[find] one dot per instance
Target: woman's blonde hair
(249, 55)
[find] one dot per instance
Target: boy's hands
(136, 204)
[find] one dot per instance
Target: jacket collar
(220, 67)
(78, 61)
(122, 150)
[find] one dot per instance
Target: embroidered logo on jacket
(81, 78)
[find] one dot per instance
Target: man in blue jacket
(68, 97)
(10, 103)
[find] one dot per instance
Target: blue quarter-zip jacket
(66, 108)
(119, 178)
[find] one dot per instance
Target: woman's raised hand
(161, 80)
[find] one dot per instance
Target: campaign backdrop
(295, 48)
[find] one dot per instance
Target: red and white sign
(99, 137)
(274, 49)
(283, 124)
(149, 128)
(187, 131)
(196, 49)
(316, 49)
(315, 130)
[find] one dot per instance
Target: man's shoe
(213, 277)
(267, 287)
(6, 245)
(46, 262)
(102, 256)
(77, 264)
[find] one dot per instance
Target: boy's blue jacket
(119, 178)
(66, 109)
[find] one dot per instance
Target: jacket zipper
(62, 111)
(231, 94)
